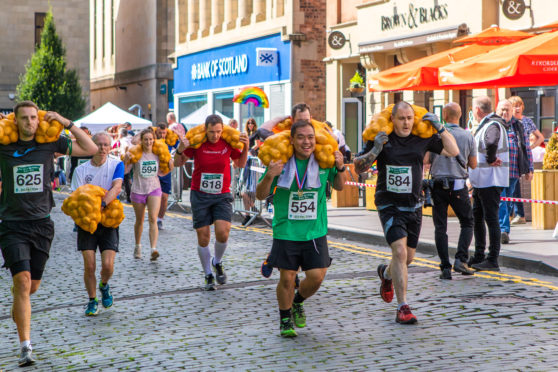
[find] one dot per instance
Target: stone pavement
(162, 320)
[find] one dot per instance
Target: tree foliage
(47, 82)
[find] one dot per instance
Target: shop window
(223, 105)
(193, 110)
(277, 101)
(547, 115)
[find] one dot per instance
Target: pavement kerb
(425, 245)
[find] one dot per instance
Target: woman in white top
(146, 191)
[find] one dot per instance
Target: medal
(300, 184)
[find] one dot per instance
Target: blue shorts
(166, 183)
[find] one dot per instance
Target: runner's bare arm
(83, 145)
(114, 191)
(264, 187)
(340, 177)
(450, 146)
(179, 157)
(241, 162)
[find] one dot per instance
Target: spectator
(177, 128)
(520, 162)
(233, 123)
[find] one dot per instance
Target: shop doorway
(352, 117)
(541, 106)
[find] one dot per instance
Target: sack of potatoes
(8, 130)
(283, 125)
(161, 149)
(196, 136)
(84, 206)
(232, 136)
(135, 154)
(381, 122)
(47, 131)
(278, 146)
(113, 214)
(171, 137)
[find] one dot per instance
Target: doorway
(352, 117)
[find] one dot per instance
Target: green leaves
(47, 82)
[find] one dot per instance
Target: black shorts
(104, 238)
(166, 183)
(26, 245)
(398, 224)
(307, 255)
(207, 208)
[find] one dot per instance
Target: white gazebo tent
(109, 115)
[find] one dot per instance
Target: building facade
(130, 42)
(372, 36)
(21, 24)
(223, 46)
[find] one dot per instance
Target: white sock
(159, 219)
(26, 343)
(400, 305)
(138, 246)
(219, 251)
(386, 274)
(153, 248)
(205, 259)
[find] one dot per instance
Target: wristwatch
(103, 204)
(342, 169)
(70, 125)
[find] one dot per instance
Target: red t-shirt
(212, 170)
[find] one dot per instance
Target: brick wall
(308, 72)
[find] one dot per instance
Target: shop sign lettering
(414, 17)
(227, 66)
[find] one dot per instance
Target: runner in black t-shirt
(400, 159)
(26, 230)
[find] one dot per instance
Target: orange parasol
(494, 35)
(422, 73)
(529, 62)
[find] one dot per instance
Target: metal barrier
(177, 184)
(243, 186)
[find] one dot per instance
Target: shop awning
(494, 35)
(529, 62)
(422, 73)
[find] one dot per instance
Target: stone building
(225, 45)
(130, 41)
(21, 24)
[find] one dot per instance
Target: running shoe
(266, 268)
(137, 252)
(287, 328)
(209, 282)
(219, 272)
(154, 254)
(92, 308)
(160, 225)
(386, 288)
(106, 299)
(405, 316)
(26, 357)
(298, 315)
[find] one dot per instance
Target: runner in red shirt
(210, 195)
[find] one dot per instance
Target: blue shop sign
(233, 65)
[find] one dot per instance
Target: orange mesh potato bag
(84, 206)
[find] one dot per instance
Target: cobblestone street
(162, 320)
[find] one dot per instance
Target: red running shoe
(405, 316)
(386, 289)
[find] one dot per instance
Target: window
(39, 26)
(223, 105)
(192, 110)
(277, 101)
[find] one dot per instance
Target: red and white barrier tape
(521, 200)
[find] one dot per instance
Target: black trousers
(128, 185)
(486, 204)
(459, 201)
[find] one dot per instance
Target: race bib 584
(399, 179)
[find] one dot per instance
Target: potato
(84, 206)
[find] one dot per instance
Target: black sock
(298, 299)
(91, 298)
(284, 313)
